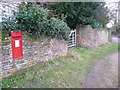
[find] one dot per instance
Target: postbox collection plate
(16, 41)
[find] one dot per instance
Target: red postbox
(16, 40)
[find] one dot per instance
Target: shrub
(97, 26)
(9, 24)
(34, 21)
(57, 28)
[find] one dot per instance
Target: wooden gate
(72, 39)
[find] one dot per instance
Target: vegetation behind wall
(35, 22)
(85, 13)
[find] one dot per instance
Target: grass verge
(67, 72)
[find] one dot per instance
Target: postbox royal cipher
(16, 42)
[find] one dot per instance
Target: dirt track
(105, 73)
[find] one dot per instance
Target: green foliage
(57, 28)
(9, 24)
(96, 25)
(5, 35)
(12, 80)
(81, 12)
(34, 21)
(52, 62)
(117, 28)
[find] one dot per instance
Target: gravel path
(105, 73)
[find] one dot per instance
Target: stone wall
(35, 52)
(89, 37)
(101, 37)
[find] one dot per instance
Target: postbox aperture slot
(16, 36)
